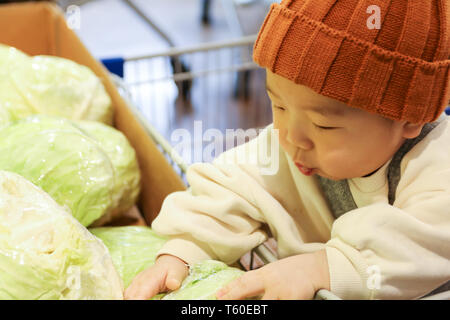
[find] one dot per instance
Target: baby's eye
(279, 108)
(325, 128)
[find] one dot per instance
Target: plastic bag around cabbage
(50, 85)
(132, 248)
(204, 280)
(47, 254)
(123, 158)
(70, 165)
(12, 104)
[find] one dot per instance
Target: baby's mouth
(305, 170)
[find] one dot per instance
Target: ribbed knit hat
(400, 71)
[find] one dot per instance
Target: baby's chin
(343, 175)
(327, 176)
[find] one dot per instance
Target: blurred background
(181, 60)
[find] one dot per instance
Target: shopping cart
(224, 93)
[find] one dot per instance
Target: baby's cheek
(346, 165)
(336, 163)
(285, 144)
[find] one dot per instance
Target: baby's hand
(296, 277)
(166, 274)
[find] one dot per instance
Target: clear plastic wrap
(132, 248)
(47, 254)
(88, 176)
(123, 158)
(204, 280)
(52, 86)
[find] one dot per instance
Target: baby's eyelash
(278, 107)
(325, 128)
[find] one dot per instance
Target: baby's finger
(248, 285)
(144, 286)
(175, 277)
(130, 292)
(132, 289)
(147, 289)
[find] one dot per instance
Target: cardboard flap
(28, 26)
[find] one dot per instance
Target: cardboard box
(40, 28)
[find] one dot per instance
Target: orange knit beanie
(399, 69)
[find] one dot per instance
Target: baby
(360, 201)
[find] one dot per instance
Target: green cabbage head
(80, 172)
(132, 248)
(51, 85)
(47, 254)
(126, 169)
(204, 280)
(12, 104)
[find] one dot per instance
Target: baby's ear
(411, 130)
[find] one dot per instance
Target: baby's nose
(298, 138)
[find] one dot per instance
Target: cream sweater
(377, 251)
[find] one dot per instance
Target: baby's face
(334, 140)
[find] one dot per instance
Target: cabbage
(64, 162)
(51, 85)
(132, 248)
(10, 56)
(93, 178)
(45, 253)
(204, 280)
(12, 103)
(123, 158)
(5, 117)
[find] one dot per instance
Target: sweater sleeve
(218, 216)
(401, 251)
